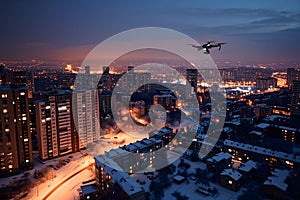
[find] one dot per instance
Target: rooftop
(128, 185)
(246, 167)
(234, 174)
(220, 156)
(262, 125)
(12, 87)
(88, 189)
(262, 150)
(277, 179)
(274, 117)
(259, 133)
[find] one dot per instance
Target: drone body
(208, 46)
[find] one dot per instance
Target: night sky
(257, 31)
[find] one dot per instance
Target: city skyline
(151, 100)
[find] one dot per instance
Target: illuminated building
(15, 137)
(54, 125)
(114, 184)
(135, 80)
(292, 75)
(266, 83)
(244, 152)
(231, 179)
(227, 74)
(166, 100)
(192, 79)
(219, 162)
(21, 78)
(86, 116)
(105, 104)
(276, 184)
(262, 111)
(295, 109)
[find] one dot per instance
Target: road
(66, 187)
(63, 176)
(69, 190)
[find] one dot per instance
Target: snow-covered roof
(178, 178)
(234, 174)
(116, 152)
(246, 167)
(277, 179)
(262, 125)
(227, 129)
(234, 122)
(273, 117)
(259, 133)
(118, 176)
(88, 189)
(220, 156)
(263, 151)
(126, 182)
(287, 128)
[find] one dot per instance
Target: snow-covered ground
(189, 189)
(78, 162)
(37, 164)
(69, 190)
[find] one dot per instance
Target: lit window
(62, 108)
(230, 182)
(10, 166)
(22, 93)
(24, 118)
(287, 162)
(4, 110)
(26, 140)
(27, 160)
(7, 130)
(4, 95)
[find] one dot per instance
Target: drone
(208, 46)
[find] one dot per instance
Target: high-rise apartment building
(266, 83)
(292, 75)
(15, 137)
(192, 79)
(55, 128)
(295, 109)
(86, 116)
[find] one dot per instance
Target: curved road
(65, 180)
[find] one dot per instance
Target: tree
(195, 156)
(201, 176)
(179, 196)
(157, 189)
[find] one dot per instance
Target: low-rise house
(231, 179)
(276, 184)
(89, 192)
(219, 162)
(248, 170)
